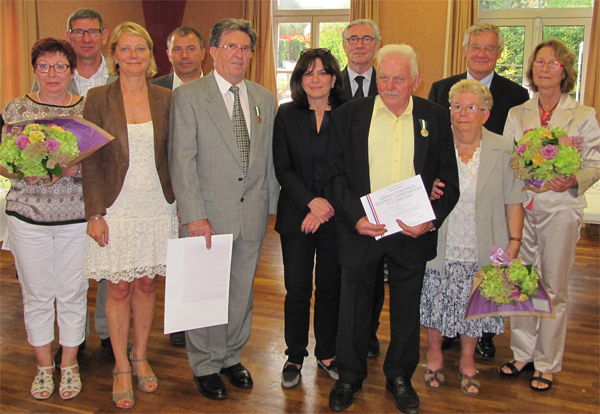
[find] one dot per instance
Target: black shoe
(373, 349)
(407, 399)
(290, 375)
(58, 355)
(331, 369)
(342, 395)
(211, 386)
(447, 343)
(485, 348)
(177, 338)
(238, 375)
(105, 343)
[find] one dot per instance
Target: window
(303, 24)
(526, 23)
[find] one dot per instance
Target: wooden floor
(576, 388)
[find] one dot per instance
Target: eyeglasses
(487, 49)
(551, 65)
(82, 32)
(316, 50)
(58, 68)
(470, 109)
(367, 40)
(233, 48)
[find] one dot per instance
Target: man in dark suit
(483, 44)
(378, 141)
(361, 40)
(185, 49)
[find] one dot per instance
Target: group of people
(197, 155)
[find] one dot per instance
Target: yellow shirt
(391, 146)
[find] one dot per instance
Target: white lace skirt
(140, 222)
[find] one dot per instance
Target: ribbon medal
(424, 131)
(257, 113)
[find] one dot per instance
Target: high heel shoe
(146, 384)
(120, 398)
(43, 382)
(70, 382)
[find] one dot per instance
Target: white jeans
(49, 261)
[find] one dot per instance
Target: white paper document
(197, 283)
(406, 200)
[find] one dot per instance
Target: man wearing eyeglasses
(361, 41)
(482, 45)
(221, 164)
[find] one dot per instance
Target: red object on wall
(162, 17)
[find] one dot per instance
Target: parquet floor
(576, 389)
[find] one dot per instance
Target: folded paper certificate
(197, 283)
(406, 200)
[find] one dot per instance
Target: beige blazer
(104, 171)
(578, 121)
(496, 187)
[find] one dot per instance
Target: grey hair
(403, 50)
(363, 21)
(476, 88)
(184, 31)
(482, 28)
(232, 25)
(84, 14)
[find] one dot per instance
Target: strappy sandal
(70, 382)
(541, 379)
(437, 376)
(119, 398)
(514, 371)
(43, 382)
(467, 382)
(144, 383)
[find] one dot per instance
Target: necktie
(359, 92)
(240, 129)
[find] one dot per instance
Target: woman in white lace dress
(488, 212)
(129, 202)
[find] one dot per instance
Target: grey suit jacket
(205, 163)
(496, 187)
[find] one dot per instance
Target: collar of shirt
(366, 83)
(97, 79)
(224, 86)
(380, 109)
(101, 72)
(487, 81)
(178, 82)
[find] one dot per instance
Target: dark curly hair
(50, 46)
(330, 65)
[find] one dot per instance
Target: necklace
(70, 100)
(546, 115)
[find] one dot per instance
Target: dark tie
(240, 128)
(359, 92)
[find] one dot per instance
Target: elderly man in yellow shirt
(378, 141)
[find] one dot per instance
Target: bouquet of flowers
(543, 154)
(510, 284)
(508, 287)
(37, 150)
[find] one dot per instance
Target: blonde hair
(134, 29)
(476, 88)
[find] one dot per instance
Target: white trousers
(549, 241)
(49, 260)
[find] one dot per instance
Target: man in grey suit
(220, 157)
(185, 49)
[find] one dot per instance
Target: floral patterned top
(60, 203)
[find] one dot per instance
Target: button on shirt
(97, 79)
(391, 146)
(228, 98)
(368, 75)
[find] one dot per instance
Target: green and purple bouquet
(509, 284)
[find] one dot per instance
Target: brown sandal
(437, 376)
(467, 382)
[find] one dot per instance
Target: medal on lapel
(424, 131)
(257, 113)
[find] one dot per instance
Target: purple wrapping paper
(90, 137)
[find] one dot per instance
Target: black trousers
(378, 299)
(298, 262)
(356, 304)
